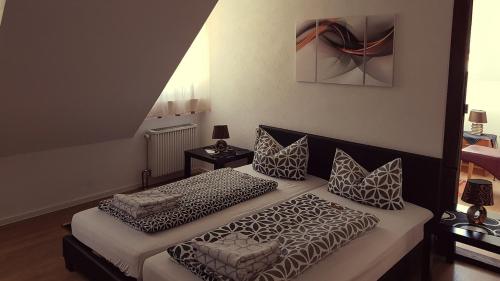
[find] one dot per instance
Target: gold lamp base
(476, 214)
(476, 129)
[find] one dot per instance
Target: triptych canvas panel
(351, 50)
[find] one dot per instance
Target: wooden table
(485, 157)
(487, 140)
(455, 227)
(219, 161)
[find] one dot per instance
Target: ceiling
(80, 72)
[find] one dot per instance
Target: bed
(126, 248)
(408, 253)
(397, 233)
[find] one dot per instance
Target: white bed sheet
(127, 248)
(364, 259)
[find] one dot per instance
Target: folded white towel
(237, 255)
(146, 198)
(140, 212)
(236, 248)
(245, 272)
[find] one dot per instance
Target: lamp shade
(220, 132)
(477, 116)
(478, 192)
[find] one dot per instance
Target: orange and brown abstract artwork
(351, 50)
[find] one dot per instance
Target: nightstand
(488, 140)
(219, 161)
(454, 226)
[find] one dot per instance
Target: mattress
(397, 233)
(127, 248)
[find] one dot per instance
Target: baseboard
(67, 204)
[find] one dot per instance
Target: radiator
(166, 147)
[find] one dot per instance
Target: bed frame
(420, 186)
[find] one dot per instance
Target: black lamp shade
(478, 192)
(220, 132)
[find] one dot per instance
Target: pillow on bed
(272, 159)
(381, 188)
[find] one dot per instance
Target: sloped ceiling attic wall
(85, 71)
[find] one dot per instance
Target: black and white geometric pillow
(381, 188)
(265, 144)
(346, 175)
(272, 159)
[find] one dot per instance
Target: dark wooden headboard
(420, 173)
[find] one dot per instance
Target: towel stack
(237, 256)
(145, 203)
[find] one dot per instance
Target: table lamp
(478, 118)
(479, 193)
(220, 133)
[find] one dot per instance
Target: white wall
(39, 182)
(483, 88)
(253, 75)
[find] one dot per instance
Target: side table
(219, 160)
(454, 226)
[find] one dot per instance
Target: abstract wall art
(341, 50)
(306, 51)
(351, 50)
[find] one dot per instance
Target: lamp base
(476, 129)
(221, 145)
(476, 214)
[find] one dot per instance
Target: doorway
(482, 119)
(472, 114)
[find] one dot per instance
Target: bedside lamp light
(478, 118)
(220, 133)
(479, 193)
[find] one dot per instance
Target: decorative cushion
(272, 159)
(381, 188)
(265, 144)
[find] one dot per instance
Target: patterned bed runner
(308, 229)
(202, 195)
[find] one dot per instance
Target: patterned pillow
(381, 188)
(265, 143)
(272, 159)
